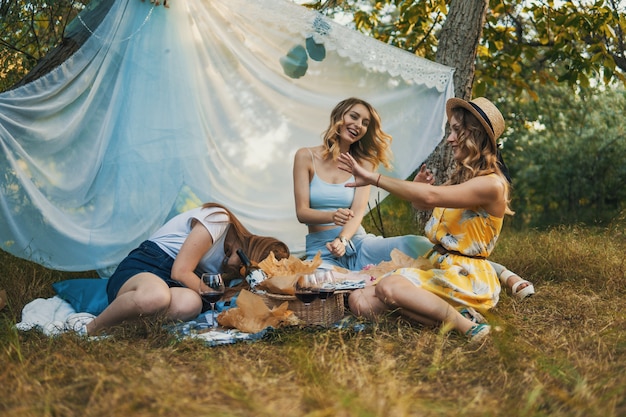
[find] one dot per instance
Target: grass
(560, 353)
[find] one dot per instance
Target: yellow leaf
(583, 80)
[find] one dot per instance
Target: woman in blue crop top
(333, 212)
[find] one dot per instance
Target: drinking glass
(306, 290)
(211, 290)
(326, 282)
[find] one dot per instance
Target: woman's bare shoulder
(491, 183)
(315, 150)
(306, 157)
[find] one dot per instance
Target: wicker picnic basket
(317, 313)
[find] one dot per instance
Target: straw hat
(485, 111)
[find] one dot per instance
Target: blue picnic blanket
(89, 295)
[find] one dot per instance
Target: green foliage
(566, 155)
(523, 42)
(571, 42)
(28, 30)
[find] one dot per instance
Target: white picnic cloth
(50, 314)
(47, 314)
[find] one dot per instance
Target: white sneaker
(77, 322)
(477, 333)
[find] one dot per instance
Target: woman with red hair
(162, 275)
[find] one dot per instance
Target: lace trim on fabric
(369, 52)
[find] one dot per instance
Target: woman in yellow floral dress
(467, 219)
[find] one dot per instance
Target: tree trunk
(457, 48)
(458, 43)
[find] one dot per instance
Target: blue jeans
(366, 248)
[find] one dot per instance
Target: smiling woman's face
(355, 123)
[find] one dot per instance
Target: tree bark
(457, 48)
(458, 43)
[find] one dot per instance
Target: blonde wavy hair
(482, 157)
(373, 147)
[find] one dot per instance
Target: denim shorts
(148, 257)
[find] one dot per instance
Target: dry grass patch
(561, 353)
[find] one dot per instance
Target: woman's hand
(336, 248)
(424, 175)
(342, 216)
(361, 175)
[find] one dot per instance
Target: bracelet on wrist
(378, 180)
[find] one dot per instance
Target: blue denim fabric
(148, 257)
(366, 248)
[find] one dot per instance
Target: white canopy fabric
(163, 109)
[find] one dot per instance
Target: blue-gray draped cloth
(163, 109)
